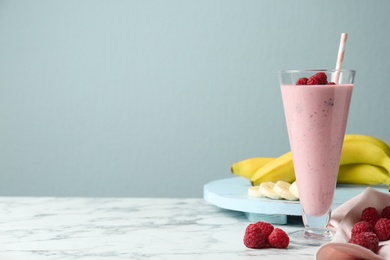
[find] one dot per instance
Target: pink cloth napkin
(342, 220)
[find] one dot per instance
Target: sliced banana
(254, 192)
(282, 188)
(267, 189)
(294, 189)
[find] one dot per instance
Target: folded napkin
(342, 220)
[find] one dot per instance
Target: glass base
(312, 237)
(315, 231)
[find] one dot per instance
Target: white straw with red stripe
(340, 56)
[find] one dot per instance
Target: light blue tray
(231, 194)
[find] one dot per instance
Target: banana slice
(267, 189)
(294, 189)
(254, 192)
(282, 188)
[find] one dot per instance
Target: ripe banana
(364, 174)
(364, 151)
(356, 149)
(384, 146)
(248, 167)
(280, 168)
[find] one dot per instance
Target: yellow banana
(278, 169)
(353, 137)
(364, 151)
(248, 167)
(357, 149)
(365, 174)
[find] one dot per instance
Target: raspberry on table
(368, 240)
(301, 81)
(382, 229)
(386, 212)
(370, 215)
(267, 228)
(278, 239)
(254, 237)
(360, 227)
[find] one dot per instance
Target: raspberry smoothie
(316, 117)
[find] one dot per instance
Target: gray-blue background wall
(156, 98)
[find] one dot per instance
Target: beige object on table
(342, 220)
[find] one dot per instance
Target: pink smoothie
(316, 117)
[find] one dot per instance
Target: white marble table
(40, 228)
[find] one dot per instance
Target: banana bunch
(364, 160)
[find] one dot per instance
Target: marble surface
(42, 228)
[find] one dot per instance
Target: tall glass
(316, 118)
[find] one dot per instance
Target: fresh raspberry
(322, 77)
(382, 229)
(386, 212)
(278, 239)
(301, 81)
(267, 245)
(254, 237)
(370, 215)
(366, 239)
(313, 81)
(360, 227)
(267, 228)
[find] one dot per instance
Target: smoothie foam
(319, 113)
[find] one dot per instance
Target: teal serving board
(232, 194)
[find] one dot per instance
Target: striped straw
(340, 56)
